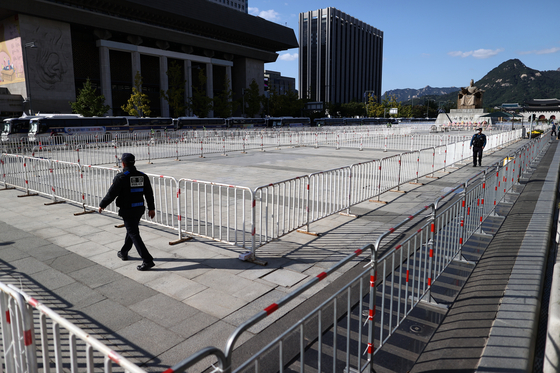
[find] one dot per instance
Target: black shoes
(145, 266)
(142, 267)
(474, 165)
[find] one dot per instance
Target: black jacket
(478, 141)
(129, 188)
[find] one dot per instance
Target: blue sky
(438, 43)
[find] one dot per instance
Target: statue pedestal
(462, 117)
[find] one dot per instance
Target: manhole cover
(416, 329)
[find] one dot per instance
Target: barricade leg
(83, 195)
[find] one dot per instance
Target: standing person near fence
(478, 142)
(553, 133)
(129, 188)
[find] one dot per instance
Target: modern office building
(49, 48)
(340, 57)
(239, 5)
(274, 81)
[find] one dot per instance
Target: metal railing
(235, 214)
(354, 323)
(403, 276)
(105, 149)
(62, 345)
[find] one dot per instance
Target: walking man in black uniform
(129, 188)
(478, 142)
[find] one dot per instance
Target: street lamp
(428, 106)
(26, 72)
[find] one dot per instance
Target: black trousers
(131, 219)
(476, 152)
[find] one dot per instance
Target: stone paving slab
(199, 292)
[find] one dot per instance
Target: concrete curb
(511, 344)
(552, 350)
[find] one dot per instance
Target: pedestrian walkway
(199, 291)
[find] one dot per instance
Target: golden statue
(470, 97)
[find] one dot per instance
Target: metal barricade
(280, 208)
(165, 198)
(409, 167)
(390, 167)
(294, 341)
(220, 212)
(366, 179)
(12, 171)
(38, 178)
(329, 193)
(62, 346)
(398, 281)
(66, 182)
(18, 337)
(426, 162)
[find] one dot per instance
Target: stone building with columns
(49, 48)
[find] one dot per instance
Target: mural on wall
(11, 59)
(50, 61)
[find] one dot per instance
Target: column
(163, 85)
(188, 84)
(135, 65)
(228, 74)
(105, 70)
(210, 85)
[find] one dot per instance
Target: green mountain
(513, 82)
(510, 82)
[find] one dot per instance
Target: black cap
(478, 129)
(128, 158)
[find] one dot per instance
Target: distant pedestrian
(553, 133)
(130, 187)
(478, 142)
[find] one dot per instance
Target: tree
(200, 104)
(252, 100)
(138, 104)
(223, 102)
(290, 104)
(282, 105)
(352, 109)
(175, 95)
(374, 108)
(89, 103)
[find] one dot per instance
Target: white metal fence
(106, 149)
(354, 323)
(236, 214)
(397, 280)
(61, 347)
